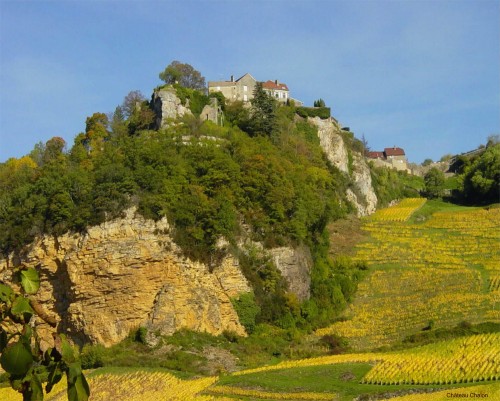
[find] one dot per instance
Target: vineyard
(402, 212)
(429, 275)
(133, 386)
(455, 362)
(463, 360)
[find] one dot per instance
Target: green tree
(131, 102)
(434, 183)
(319, 103)
(184, 74)
(481, 179)
(28, 368)
(263, 112)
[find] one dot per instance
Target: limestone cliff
(167, 105)
(295, 265)
(128, 273)
(362, 194)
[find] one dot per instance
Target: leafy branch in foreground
(21, 357)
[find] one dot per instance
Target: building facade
(242, 89)
(391, 157)
(277, 90)
(235, 90)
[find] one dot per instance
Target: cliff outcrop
(295, 266)
(167, 105)
(362, 194)
(128, 273)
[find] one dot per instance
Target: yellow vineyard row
(137, 386)
(467, 359)
(306, 396)
(401, 212)
(473, 359)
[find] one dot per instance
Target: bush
(321, 112)
(140, 335)
(92, 356)
(197, 100)
(335, 344)
(247, 310)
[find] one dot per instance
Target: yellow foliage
(445, 270)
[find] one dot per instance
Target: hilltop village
(242, 90)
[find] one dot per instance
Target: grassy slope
(341, 379)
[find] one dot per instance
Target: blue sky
(421, 75)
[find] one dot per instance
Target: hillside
(149, 207)
(430, 272)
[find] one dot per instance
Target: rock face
(362, 194)
(167, 105)
(363, 197)
(128, 273)
(295, 265)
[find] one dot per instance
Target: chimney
(276, 81)
(232, 78)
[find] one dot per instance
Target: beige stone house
(242, 89)
(391, 157)
(234, 90)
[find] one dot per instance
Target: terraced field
(424, 275)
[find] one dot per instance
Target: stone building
(277, 90)
(241, 89)
(391, 157)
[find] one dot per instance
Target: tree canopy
(184, 74)
(434, 181)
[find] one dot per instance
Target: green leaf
(55, 375)
(16, 359)
(67, 351)
(78, 388)
(30, 280)
(36, 389)
(22, 309)
(17, 383)
(42, 372)
(6, 293)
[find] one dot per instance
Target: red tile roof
(376, 155)
(275, 86)
(394, 152)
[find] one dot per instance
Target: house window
(245, 88)
(245, 98)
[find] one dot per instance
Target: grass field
(434, 269)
